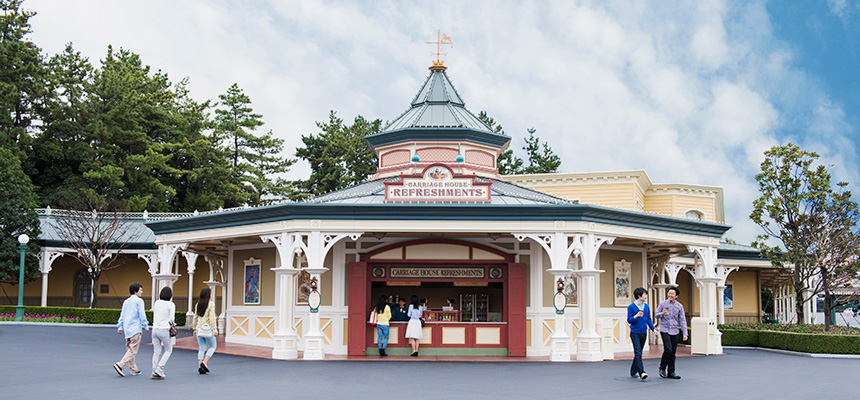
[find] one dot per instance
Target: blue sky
(689, 91)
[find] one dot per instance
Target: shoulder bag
(372, 319)
(173, 329)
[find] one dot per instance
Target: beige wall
(746, 292)
(267, 277)
(607, 278)
(620, 195)
(677, 205)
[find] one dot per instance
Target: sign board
(437, 183)
(438, 272)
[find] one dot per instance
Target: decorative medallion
(378, 272)
(495, 273)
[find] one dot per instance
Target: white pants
(162, 345)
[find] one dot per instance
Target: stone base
(559, 349)
(588, 348)
(313, 347)
(285, 347)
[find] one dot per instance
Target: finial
(415, 157)
(441, 38)
(459, 155)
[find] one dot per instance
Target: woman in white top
(163, 313)
(413, 328)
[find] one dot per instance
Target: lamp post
(23, 239)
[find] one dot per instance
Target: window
(83, 287)
(696, 215)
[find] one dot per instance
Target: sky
(689, 91)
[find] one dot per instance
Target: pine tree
(16, 217)
(338, 156)
(253, 159)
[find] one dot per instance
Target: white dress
(413, 328)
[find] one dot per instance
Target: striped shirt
(675, 321)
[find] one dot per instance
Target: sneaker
(673, 376)
(634, 375)
(135, 373)
(643, 376)
(118, 370)
(156, 375)
(662, 373)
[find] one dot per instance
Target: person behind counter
(383, 315)
(399, 313)
(413, 329)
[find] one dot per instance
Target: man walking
(132, 321)
(673, 324)
(639, 318)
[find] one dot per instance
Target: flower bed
(87, 315)
(801, 338)
(65, 319)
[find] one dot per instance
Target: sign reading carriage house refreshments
(437, 183)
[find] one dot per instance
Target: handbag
(372, 319)
(205, 331)
(173, 329)
(422, 321)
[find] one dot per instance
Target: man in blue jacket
(639, 318)
(132, 322)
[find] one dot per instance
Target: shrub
(89, 315)
(816, 343)
(796, 328)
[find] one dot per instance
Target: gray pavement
(59, 362)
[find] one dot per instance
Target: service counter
(448, 338)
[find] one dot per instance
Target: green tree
(22, 75)
(815, 223)
(16, 217)
(131, 122)
(63, 148)
(253, 159)
(507, 163)
(338, 156)
(541, 158)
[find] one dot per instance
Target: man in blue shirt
(132, 321)
(639, 318)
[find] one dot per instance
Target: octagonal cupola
(437, 129)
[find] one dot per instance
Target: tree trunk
(828, 300)
(798, 305)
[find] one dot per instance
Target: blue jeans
(382, 340)
(638, 340)
(202, 342)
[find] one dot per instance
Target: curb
(796, 353)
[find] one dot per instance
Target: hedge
(90, 315)
(802, 342)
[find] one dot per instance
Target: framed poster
(304, 286)
(622, 283)
(252, 281)
(728, 297)
(570, 290)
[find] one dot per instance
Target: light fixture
(23, 238)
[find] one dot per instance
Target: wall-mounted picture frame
(303, 285)
(570, 290)
(622, 292)
(729, 297)
(252, 281)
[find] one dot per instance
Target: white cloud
(692, 92)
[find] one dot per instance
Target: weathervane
(441, 39)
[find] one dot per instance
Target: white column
(314, 339)
(588, 341)
(285, 338)
(721, 290)
(191, 266)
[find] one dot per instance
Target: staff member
(673, 323)
(399, 313)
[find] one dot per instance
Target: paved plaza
(65, 362)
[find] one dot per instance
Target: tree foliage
(253, 158)
(338, 156)
(16, 217)
(540, 156)
(815, 223)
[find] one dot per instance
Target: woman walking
(383, 315)
(206, 329)
(163, 314)
(413, 328)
